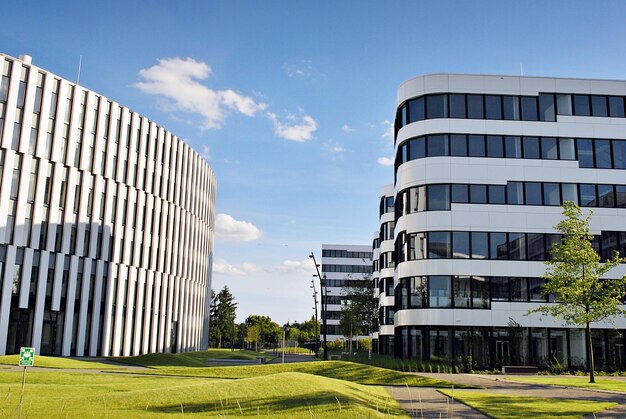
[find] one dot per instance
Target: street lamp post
(324, 303)
(317, 331)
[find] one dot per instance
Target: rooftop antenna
(80, 63)
(521, 69)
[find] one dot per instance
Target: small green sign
(27, 357)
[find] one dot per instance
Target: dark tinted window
(480, 292)
(497, 194)
(439, 246)
(515, 193)
(417, 148)
(619, 154)
(567, 149)
(564, 104)
(493, 107)
(529, 108)
(478, 194)
(457, 106)
(437, 145)
(510, 108)
(416, 110)
(458, 145)
(513, 147)
(438, 197)
(620, 196)
(547, 111)
(551, 194)
(533, 193)
(460, 194)
(531, 147)
(606, 196)
(519, 289)
(536, 246)
(599, 106)
(495, 147)
(616, 106)
(500, 288)
(475, 107)
(437, 106)
(588, 195)
(517, 246)
(498, 246)
(461, 245)
(439, 291)
(585, 152)
(476, 145)
(480, 245)
(581, 105)
(603, 153)
(549, 148)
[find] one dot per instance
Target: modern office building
(342, 264)
(106, 224)
(482, 165)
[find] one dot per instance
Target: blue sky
(290, 102)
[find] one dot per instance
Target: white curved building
(106, 225)
(482, 166)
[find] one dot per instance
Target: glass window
(480, 292)
(517, 246)
(620, 196)
(585, 152)
(420, 202)
(536, 246)
(513, 147)
(461, 245)
(417, 292)
(494, 146)
(551, 240)
(551, 194)
(497, 194)
(417, 148)
(458, 145)
(439, 246)
(567, 149)
(437, 145)
(581, 105)
(531, 147)
(619, 154)
(500, 288)
(436, 106)
(439, 292)
(462, 291)
(564, 104)
(606, 196)
(515, 193)
(519, 289)
(529, 108)
(416, 110)
(438, 197)
(493, 107)
(588, 195)
(480, 245)
(599, 106)
(603, 153)
(510, 108)
(403, 154)
(616, 106)
(548, 148)
(476, 145)
(547, 111)
(478, 194)
(475, 107)
(457, 106)
(403, 116)
(533, 193)
(570, 192)
(460, 193)
(498, 246)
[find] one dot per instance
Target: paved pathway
(434, 404)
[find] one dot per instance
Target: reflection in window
(498, 246)
(500, 288)
(462, 291)
(599, 106)
(416, 110)
(436, 106)
(438, 197)
(480, 245)
(551, 195)
(547, 110)
(439, 294)
(531, 147)
(548, 148)
(567, 149)
(439, 246)
(510, 108)
(461, 244)
(517, 246)
(480, 292)
(458, 145)
(588, 195)
(585, 152)
(603, 154)
(564, 104)
(616, 106)
(513, 147)
(515, 193)
(519, 289)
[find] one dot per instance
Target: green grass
(582, 382)
(349, 371)
(514, 407)
(187, 359)
(75, 395)
(58, 362)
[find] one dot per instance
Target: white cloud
(294, 131)
(297, 266)
(177, 81)
(206, 153)
(299, 70)
(338, 149)
(385, 161)
(223, 267)
(347, 128)
(389, 131)
(227, 228)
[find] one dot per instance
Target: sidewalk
(434, 404)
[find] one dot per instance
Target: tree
(253, 335)
(575, 276)
(269, 331)
(242, 335)
(363, 303)
(223, 310)
(349, 322)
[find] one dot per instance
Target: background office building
(482, 165)
(342, 264)
(106, 232)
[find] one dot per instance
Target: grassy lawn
(188, 359)
(583, 382)
(76, 395)
(349, 371)
(58, 362)
(513, 407)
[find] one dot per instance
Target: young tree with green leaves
(223, 312)
(575, 276)
(360, 315)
